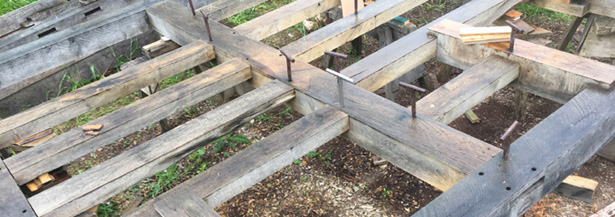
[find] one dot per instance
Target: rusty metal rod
(289, 60)
(356, 7)
(192, 7)
(340, 84)
(206, 18)
(506, 137)
(336, 54)
(514, 31)
(414, 99)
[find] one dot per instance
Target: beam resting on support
(544, 71)
(538, 162)
(443, 146)
(96, 94)
(257, 162)
(474, 85)
(73, 144)
(391, 62)
(115, 175)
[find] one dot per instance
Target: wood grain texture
(348, 28)
(115, 175)
(602, 7)
(284, 17)
(260, 160)
(183, 203)
(596, 45)
(12, 20)
(12, 201)
(101, 92)
(468, 89)
(73, 144)
(451, 148)
(391, 62)
(544, 71)
(577, 187)
(221, 9)
(538, 162)
(577, 9)
(32, 62)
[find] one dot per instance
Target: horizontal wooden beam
(405, 54)
(577, 9)
(221, 9)
(602, 7)
(348, 28)
(101, 92)
(255, 163)
(73, 144)
(114, 175)
(12, 201)
(544, 71)
(538, 161)
(284, 17)
(468, 89)
(448, 147)
(183, 203)
(25, 65)
(12, 20)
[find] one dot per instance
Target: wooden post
(521, 104)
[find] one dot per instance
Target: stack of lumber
(480, 35)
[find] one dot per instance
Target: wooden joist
(348, 28)
(72, 145)
(255, 163)
(538, 161)
(405, 54)
(12, 21)
(422, 135)
(577, 9)
(27, 64)
(479, 35)
(114, 175)
(468, 89)
(544, 71)
(12, 201)
(221, 9)
(101, 92)
(284, 17)
(183, 203)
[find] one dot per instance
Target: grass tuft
(533, 13)
(10, 5)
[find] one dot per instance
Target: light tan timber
(577, 187)
(284, 17)
(114, 175)
(72, 144)
(468, 89)
(101, 92)
(348, 28)
(246, 168)
(544, 71)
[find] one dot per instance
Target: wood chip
(95, 127)
(45, 178)
(91, 133)
(513, 15)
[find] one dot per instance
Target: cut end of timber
(95, 127)
(479, 35)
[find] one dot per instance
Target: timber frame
(476, 179)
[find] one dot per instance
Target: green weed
(230, 140)
(108, 209)
(164, 181)
(256, 11)
(532, 13)
(10, 5)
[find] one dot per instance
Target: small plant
(164, 181)
(108, 209)
(286, 111)
(297, 162)
(385, 193)
(230, 140)
(532, 13)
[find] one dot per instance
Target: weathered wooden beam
(348, 28)
(577, 9)
(73, 144)
(12, 21)
(12, 201)
(468, 89)
(183, 203)
(544, 71)
(260, 160)
(608, 151)
(445, 146)
(98, 93)
(284, 17)
(577, 188)
(405, 54)
(114, 175)
(538, 161)
(27, 64)
(221, 9)
(602, 7)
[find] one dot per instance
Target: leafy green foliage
(533, 13)
(108, 209)
(164, 181)
(230, 140)
(256, 11)
(10, 5)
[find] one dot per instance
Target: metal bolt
(335, 54)
(414, 99)
(289, 59)
(515, 29)
(356, 7)
(192, 7)
(206, 18)
(506, 136)
(340, 84)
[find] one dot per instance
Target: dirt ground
(340, 178)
